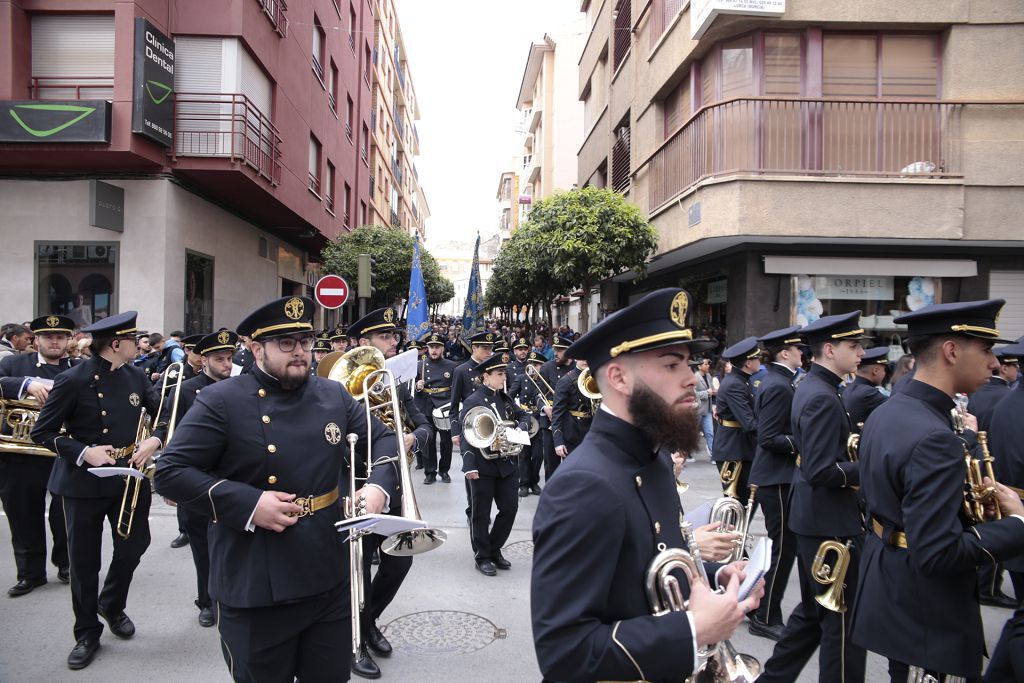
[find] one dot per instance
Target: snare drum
(441, 417)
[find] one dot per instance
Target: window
(623, 17)
(364, 145)
(91, 266)
(352, 27)
(362, 213)
(910, 66)
(73, 56)
(319, 40)
(663, 12)
(329, 187)
(738, 68)
(349, 113)
(621, 157)
(198, 293)
(346, 208)
(367, 61)
(708, 79)
(314, 165)
(597, 96)
(677, 107)
(782, 64)
(332, 87)
(849, 66)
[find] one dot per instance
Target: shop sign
(703, 12)
(55, 121)
(856, 287)
(717, 291)
(153, 85)
(106, 205)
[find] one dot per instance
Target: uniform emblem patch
(447, 375)
(224, 337)
(389, 315)
(332, 433)
(504, 358)
(294, 308)
(677, 310)
(52, 321)
(133, 398)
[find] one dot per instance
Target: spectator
(15, 339)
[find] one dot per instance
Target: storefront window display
(76, 280)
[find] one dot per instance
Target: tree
(588, 235)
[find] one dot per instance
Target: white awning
(812, 265)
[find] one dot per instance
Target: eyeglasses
(287, 344)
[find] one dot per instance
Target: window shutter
(74, 49)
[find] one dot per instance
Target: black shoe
(535, 490)
(120, 625)
(524, 491)
(207, 617)
(486, 567)
(83, 652)
(999, 599)
(64, 574)
(181, 541)
(500, 562)
(445, 478)
(430, 479)
(377, 643)
(419, 466)
(24, 587)
(364, 666)
(759, 628)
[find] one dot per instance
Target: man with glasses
(23, 484)
(90, 419)
(262, 454)
(377, 329)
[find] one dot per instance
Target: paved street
(449, 623)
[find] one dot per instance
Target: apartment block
(802, 158)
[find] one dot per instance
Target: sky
(467, 59)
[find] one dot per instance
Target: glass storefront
(880, 298)
(76, 280)
(198, 293)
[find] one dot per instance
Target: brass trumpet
(832, 576)
(728, 512)
(976, 492)
(587, 386)
(853, 443)
(21, 415)
(730, 475)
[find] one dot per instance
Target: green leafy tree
(584, 236)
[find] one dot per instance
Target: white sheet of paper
(700, 515)
(236, 370)
(384, 525)
(403, 365)
(110, 471)
(516, 435)
(758, 565)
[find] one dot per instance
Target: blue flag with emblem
(473, 314)
(417, 323)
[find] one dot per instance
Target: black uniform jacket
(983, 402)
(861, 397)
(735, 403)
(516, 373)
(13, 372)
(603, 517)
(567, 428)
(437, 376)
(1006, 444)
(823, 501)
(189, 390)
(97, 406)
(464, 382)
(552, 372)
(421, 424)
(503, 406)
(246, 435)
(775, 457)
(919, 605)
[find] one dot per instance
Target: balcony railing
(397, 170)
(72, 88)
(227, 125)
(399, 124)
(394, 219)
(803, 136)
(275, 11)
(398, 68)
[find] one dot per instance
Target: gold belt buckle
(307, 507)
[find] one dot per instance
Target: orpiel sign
(55, 121)
(153, 93)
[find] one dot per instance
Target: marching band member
(571, 412)
(243, 452)
(528, 392)
(737, 435)
(99, 402)
(614, 506)
(433, 391)
(24, 479)
(552, 371)
(918, 603)
(862, 395)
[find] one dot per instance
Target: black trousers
(23, 493)
(774, 502)
(530, 460)
(743, 485)
(899, 672)
(308, 639)
(547, 444)
(196, 525)
(182, 524)
(811, 626)
(501, 491)
(1007, 663)
(84, 518)
(432, 465)
(383, 588)
(990, 579)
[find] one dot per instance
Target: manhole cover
(522, 550)
(441, 633)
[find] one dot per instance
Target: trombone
(133, 485)
(178, 378)
(546, 393)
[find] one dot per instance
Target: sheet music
(404, 366)
(111, 471)
(758, 565)
(700, 515)
(384, 525)
(516, 435)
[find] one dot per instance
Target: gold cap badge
(294, 308)
(677, 309)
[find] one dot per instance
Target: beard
(290, 374)
(675, 427)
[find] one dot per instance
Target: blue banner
(417, 321)
(473, 314)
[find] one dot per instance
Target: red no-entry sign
(331, 291)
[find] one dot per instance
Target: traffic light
(365, 288)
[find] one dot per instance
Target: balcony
(809, 137)
(397, 170)
(394, 219)
(275, 11)
(399, 71)
(399, 126)
(71, 88)
(226, 125)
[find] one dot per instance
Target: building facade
(812, 157)
(189, 160)
(396, 197)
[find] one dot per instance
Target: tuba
(485, 431)
(352, 368)
(21, 415)
(587, 386)
(832, 576)
(730, 474)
